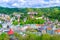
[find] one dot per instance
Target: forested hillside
(52, 12)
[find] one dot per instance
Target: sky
(29, 3)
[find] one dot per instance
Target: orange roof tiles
(39, 24)
(49, 28)
(57, 30)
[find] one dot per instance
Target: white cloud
(6, 0)
(15, 5)
(30, 3)
(21, 0)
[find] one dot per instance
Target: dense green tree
(4, 36)
(15, 22)
(0, 25)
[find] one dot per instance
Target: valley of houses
(48, 27)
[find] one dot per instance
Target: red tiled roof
(10, 32)
(39, 24)
(57, 30)
(49, 28)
